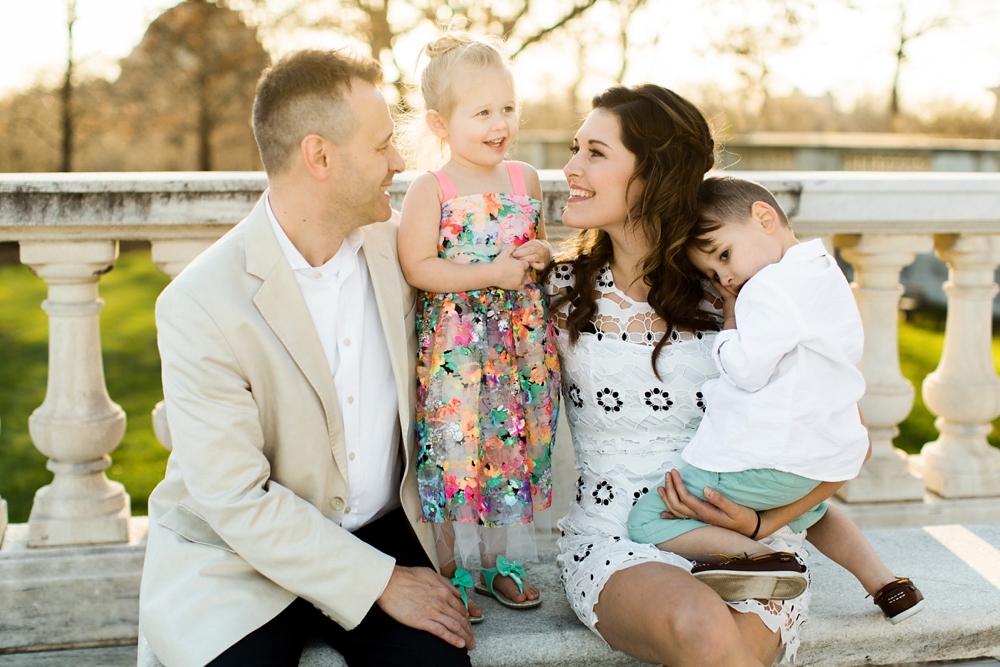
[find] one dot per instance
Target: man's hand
(718, 511)
(420, 598)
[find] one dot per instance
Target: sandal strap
(505, 568)
(461, 581)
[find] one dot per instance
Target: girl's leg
(444, 545)
(711, 544)
(493, 543)
(660, 614)
(840, 540)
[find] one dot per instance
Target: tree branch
(544, 32)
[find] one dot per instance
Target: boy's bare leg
(701, 543)
(840, 540)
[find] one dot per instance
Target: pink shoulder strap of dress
(516, 172)
(447, 187)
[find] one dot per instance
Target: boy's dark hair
(304, 93)
(725, 200)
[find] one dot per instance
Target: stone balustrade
(68, 227)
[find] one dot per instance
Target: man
(289, 508)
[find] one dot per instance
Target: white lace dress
(628, 430)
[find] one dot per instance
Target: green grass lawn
(132, 367)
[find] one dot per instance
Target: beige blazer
(248, 515)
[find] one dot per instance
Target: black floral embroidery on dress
(609, 400)
(579, 489)
(658, 399)
(563, 272)
(699, 335)
(701, 400)
(674, 335)
(639, 494)
(604, 279)
(575, 397)
(603, 493)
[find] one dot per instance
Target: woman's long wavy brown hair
(673, 148)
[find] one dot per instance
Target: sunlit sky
(846, 51)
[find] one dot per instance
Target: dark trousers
(377, 641)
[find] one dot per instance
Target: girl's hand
(511, 273)
(536, 252)
(718, 511)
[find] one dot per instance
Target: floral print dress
(487, 374)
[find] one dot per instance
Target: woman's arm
(720, 511)
(419, 229)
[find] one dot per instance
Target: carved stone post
(965, 390)
(171, 257)
(77, 425)
(877, 261)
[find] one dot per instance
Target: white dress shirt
(789, 386)
(341, 300)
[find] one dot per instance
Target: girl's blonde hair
(447, 55)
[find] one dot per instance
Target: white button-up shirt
(341, 301)
(789, 387)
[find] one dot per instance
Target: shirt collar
(339, 266)
(807, 250)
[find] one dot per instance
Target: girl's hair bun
(448, 42)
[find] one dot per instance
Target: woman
(625, 305)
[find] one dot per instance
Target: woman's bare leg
(660, 614)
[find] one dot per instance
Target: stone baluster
(77, 425)
(171, 256)
(964, 390)
(877, 261)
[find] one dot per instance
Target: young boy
(783, 415)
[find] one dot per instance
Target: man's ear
(765, 215)
(317, 154)
(435, 121)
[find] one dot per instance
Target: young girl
(470, 237)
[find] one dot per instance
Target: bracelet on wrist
(757, 529)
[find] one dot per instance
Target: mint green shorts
(760, 489)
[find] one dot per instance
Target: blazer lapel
(283, 308)
(384, 271)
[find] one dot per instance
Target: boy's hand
(510, 272)
(728, 295)
(536, 252)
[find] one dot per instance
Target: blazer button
(337, 504)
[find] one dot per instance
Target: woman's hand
(536, 252)
(509, 272)
(718, 511)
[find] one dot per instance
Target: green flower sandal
(461, 581)
(506, 568)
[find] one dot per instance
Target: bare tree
(906, 34)
(66, 96)
(380, 23)
(626, 10)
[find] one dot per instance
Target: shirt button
(351, 456)
(347, 342)
(317, 275)
(347, 510)
(337, 504)
(350, 400)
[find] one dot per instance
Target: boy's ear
(765, 215)
(436, 122)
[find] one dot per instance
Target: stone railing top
(173, 205)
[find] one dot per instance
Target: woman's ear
(765, 215)
(435, 121)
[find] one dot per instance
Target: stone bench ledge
(54, 596)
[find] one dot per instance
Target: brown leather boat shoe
(775, 576)
(899, 600)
